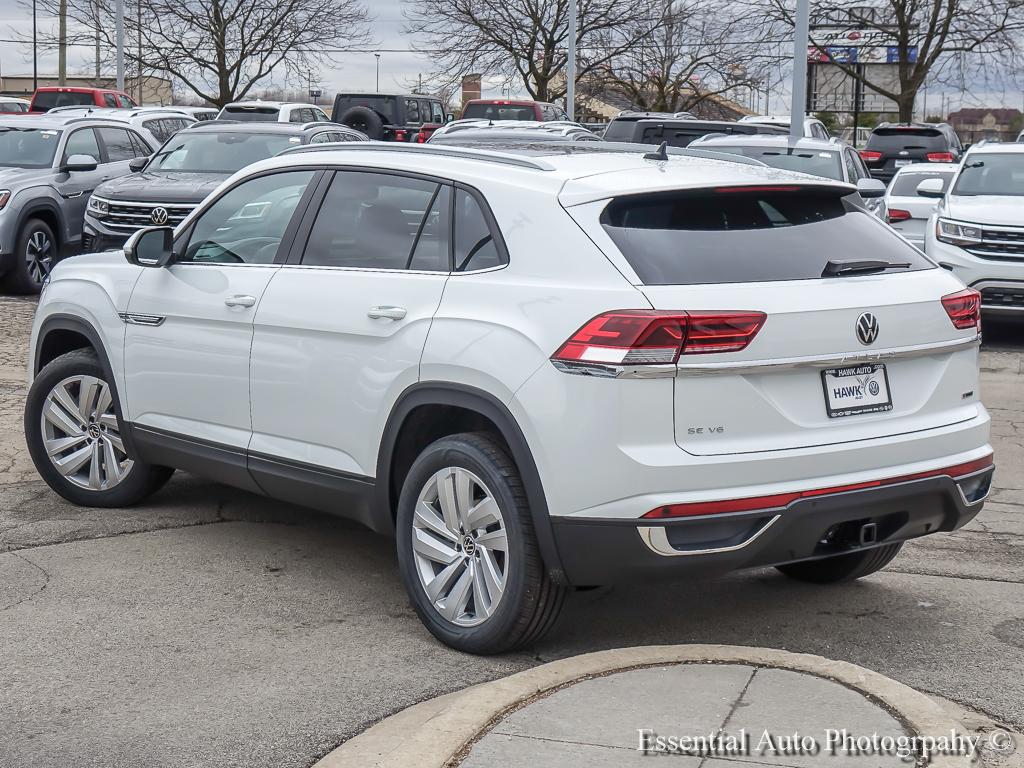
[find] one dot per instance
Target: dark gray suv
(49, 165)
(188, 167)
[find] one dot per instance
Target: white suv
(576, 367)
(272, 112)
(977, 229)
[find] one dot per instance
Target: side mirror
(136, 164)
(869, 188)
(151, 247)
(930, 188)
(77, 163)
(448, 118)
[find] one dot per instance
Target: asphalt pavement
(210, 627)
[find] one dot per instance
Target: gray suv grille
(129, 217)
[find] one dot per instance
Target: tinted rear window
(816, 162)
(689, 238)
(620, 130)
(52, 99)
(499, 112)
(905, 185)
(252, 114)
(681, 134)
(895, 139)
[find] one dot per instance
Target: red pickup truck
(49, 97)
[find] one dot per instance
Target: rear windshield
(382, 105)
(681, 134)
(816, 162)
(50, 99)
(620, 130)
(905, 184)
(251, 114)
(991, 174)
(695, 237)
(499, 112)
(889, 139)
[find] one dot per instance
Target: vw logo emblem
(159, 215)
(867, 328)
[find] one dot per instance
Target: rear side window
(110, 100)
(895, 139)
(905, 184)
(380, 221)
(476, 246)
(727, 236)
(118, 143)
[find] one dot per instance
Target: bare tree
(928, 35)
(523, 41)
(699, 49)
(220, 50)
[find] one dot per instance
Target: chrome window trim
(656, 539)
(384, 270)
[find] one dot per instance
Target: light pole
(119, 35)
(800, 41)
(35, 57)
(570, 84)
(378, 70)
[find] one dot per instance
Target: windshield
(905, 184)
(251, 114)
(816, 162)
(27, 147)
(218, 152)
(991, 174)
(50, 99)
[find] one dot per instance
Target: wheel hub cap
(460, 546)
(81, 436)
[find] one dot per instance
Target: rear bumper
(596, 551)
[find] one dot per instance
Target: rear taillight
(421, 137)
(940, 157)
(870, 156)
(898, 214)
(652, 337)
(964, 308)
(400, 135)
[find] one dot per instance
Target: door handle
(240, 301)
(386, 312)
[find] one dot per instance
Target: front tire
(35, 255)
(839, 568)
(73, 430)
(467, 550)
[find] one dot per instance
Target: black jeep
(391, 117)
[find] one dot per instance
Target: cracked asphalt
(210, 627)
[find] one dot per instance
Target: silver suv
(49, 167)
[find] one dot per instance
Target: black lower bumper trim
(612, 551)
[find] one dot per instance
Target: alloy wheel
(80, 434)
(460, 546)
(39, 256)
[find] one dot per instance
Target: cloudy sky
(354, 71)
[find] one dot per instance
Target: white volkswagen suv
(573, 366)
(977, 228)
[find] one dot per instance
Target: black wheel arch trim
(49, 206)
(487, 405)
(64, 322)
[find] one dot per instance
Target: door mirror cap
(78, 163)
(448, 118)
(930, 188)
(151, 247)
(869, 188)
(136, 164)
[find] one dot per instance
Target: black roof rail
(461, 153)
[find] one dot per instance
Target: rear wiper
(840, 268)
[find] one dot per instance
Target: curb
(430, 734)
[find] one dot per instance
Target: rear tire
(35, 255)
(73, 429)
(364, 120)
(464, 532)
(840, 568)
